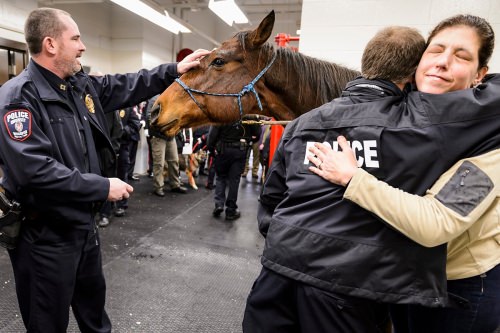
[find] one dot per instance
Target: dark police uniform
(128, 143)
(231, 143)
(326, 262)
(56, 155)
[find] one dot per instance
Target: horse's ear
(260, 35)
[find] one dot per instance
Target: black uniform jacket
(218, 136)
(316, 237)
(131, 124)
(44, 139)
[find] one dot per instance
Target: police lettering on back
(365, 150)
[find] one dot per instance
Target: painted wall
(12, 17)
(338, 30)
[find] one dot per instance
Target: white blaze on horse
(247, 75)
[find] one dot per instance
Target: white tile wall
(337, 30)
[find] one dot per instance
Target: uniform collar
(50, 86)
(380, 88)
(47, 83)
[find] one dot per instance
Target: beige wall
(12, 17)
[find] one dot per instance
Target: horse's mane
(327, 79)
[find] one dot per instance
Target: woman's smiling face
(450, 62)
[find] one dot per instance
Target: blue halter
(246, 89)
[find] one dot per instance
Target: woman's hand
(336, 167)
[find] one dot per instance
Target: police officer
(128, 142)
(56, 156)
(229, 144)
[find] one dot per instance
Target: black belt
(235, 144)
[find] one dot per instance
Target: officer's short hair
(393, 54)
(41, 23)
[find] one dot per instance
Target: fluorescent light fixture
(148, 13)
(228, 11)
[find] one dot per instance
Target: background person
(126, 154)
(229, 145)
(57, 158)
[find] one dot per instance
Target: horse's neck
(303, 83)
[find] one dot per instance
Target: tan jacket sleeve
(441, 214)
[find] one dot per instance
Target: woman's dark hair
(481, 26)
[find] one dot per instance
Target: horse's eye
(218, 62)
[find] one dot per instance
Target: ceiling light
(228, 11)
(148, 13)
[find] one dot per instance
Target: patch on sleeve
(466, 189)
(18, 123)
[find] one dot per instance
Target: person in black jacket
(326, 266)
(131, 124)
(115, 130)
(229, 145)
(59, 164)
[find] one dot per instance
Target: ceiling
(252, 8)
(248, 6)
(288, 12)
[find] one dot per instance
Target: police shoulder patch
(18, 123)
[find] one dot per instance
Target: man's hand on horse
(192, 60)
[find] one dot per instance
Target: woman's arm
(456, 201)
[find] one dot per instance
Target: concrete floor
(170, 266)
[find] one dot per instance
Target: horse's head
(197, 98)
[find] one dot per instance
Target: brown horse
(246, 75)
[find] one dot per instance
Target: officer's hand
(192, 60)
(118, 189)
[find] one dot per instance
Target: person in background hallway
(255, 161)
(128, 143)
(146, 115)
(59, 164)
(134, 144)
(200, 142)
(229, 145)
(115, 129)
(264, 149)
(164, 151)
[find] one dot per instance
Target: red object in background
(283, 39)
(276, 133)
(183, 53)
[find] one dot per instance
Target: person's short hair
(393, 54)
(41, 23)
